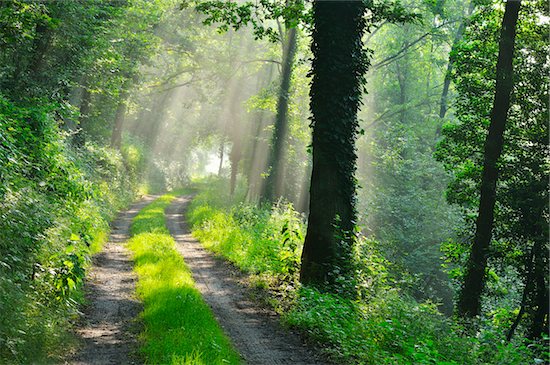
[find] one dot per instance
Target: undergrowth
(179, 325)
(383, 326)
(55, 205)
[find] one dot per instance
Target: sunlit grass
(179, 326)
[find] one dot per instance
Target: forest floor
(108, 328)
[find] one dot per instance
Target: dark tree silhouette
(469, 303)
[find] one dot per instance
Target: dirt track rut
(255, 332)
(108, 318)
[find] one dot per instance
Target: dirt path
(106, 325)
(255, 332)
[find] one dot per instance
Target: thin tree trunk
(222, 149)
(539, 324)
(255, 163)
(234, 158)
(257, 155)
(275, 180)
(156, 123)
(338, 74)
(447, 80)
(469, 304)
(85, 107)
(116, 136)
(524, 297)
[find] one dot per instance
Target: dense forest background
(103, 101)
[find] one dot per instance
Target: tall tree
(469, 304)
(274, 183)
(338, 69)
(443, 104)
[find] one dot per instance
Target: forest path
(106, 329)
(255, 332)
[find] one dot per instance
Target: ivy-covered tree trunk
(469, 304)
(338, 67)
(274, 183)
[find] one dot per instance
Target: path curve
(112, 307)
(255, 332)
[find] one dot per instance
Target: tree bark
(275, 180)
(469, 304)
(338, 70)
(539, 323)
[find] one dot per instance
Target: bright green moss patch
(179, 326)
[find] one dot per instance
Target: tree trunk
(157, 120)
(256, 161)
(222, 149)
(338, 70)
(524, 297)
(275, 180)
(539, 323)
(234, 159)
(85, 107)
(469, 304)
(116, 137)
(447, 80)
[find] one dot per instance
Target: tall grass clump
(179, 326)
(258, 240)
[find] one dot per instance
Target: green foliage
(257, 240)
(259, 15)
(388, 329)
(179, 326)
(521, 211)
(55, 205)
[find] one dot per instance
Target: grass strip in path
(179, 327)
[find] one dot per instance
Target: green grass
(262, 240)
(179, 326)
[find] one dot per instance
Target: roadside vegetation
(179, 327)
(55, 206)
(381, 324)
